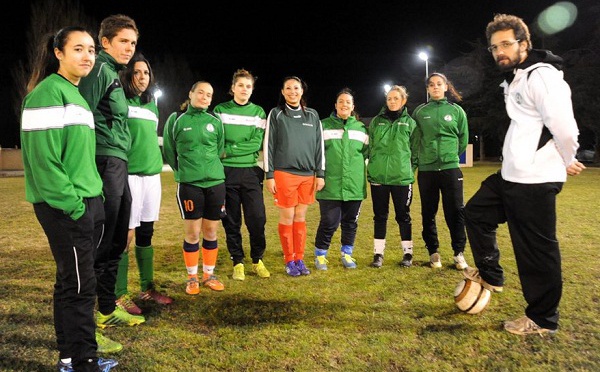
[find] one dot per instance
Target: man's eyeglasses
(503, 45)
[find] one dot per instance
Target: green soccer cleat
(238, 272)
(260, 269)
(106, 345)
(118, 317)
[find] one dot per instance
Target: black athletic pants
(73, 245)
(449, 183)
(117, 208)
(530, 212)
(244, 191)
(402, 199)
(334, 213)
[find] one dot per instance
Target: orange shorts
(293, 189)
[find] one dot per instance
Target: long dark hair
(45, 62)
(127, 80)
(451, 89)
(281, 103)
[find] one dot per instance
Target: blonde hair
(400, 89)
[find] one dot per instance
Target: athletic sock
(286, 233)
(145, 261)
(122, 273)
(191, 255)
(210, 252)
(299, 231)
(379, 246)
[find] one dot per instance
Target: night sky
(329, 46)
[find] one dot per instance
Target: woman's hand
(270, 185)
(320, 183)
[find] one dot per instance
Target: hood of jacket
(541, 55)
(535, 56)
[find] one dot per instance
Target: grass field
(388, 319)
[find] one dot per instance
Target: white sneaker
(459, 262)
(435, 261)
(472, 273)
(526, 326)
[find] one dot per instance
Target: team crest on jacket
(518, 98)
(448, 117)
(210, 127)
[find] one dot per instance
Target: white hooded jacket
(538, 96)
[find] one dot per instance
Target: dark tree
(47, 16)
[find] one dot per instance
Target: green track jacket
(346, 145)
(244, 128)
(390, 143)
(59, 147)
(193, 143)
(104, 93)
(144, 155)
(442, 135)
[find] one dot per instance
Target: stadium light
(425, 58)
(157, 94)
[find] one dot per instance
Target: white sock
(407, 246)
(379, 246)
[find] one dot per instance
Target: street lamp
(157, 94)
(425, 58)
(386, 88)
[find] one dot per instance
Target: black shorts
(197, 202)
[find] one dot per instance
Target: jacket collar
(103, 56)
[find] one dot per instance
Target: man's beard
(507, 66)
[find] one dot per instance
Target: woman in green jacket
(390, 172)
(193, 146)
(144, 166)
(61, 181)
(244, 125)
(442, 134)
(346, 143)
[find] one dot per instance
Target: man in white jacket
(538, 153)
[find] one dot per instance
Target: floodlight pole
(425, 58)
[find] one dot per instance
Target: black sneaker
(377, 261)
(406, 260)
